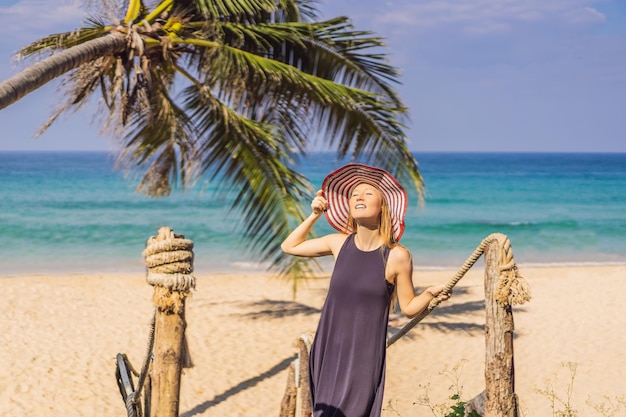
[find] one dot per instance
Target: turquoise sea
(73, 212)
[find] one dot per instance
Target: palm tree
(232, 90)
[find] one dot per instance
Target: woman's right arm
(298, 244)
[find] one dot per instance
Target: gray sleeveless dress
(347, 361)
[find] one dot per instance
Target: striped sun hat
(338, 185)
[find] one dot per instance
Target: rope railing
(512, 288)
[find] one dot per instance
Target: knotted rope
(169, 263)
(512, 287)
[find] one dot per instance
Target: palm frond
(358, 122)
(79, 86)
(250, 80)
(295, 11)
(65, 40)
(330, 50)
(161, 137)
(240, 10)
(339, 106)
(254, 158)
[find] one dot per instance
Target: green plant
(454, 406)
(458, 408)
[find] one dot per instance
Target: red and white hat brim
(338, 185)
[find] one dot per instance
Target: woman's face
(365, 202)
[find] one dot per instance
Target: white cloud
(487, 16)
(27, 20)
(584, 15)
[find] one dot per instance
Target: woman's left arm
(401, 264)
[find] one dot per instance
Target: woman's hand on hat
(319, 203)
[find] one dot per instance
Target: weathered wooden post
(297, 398)
(304, 406)
(169, 261)
(501, 278)
(288, 404)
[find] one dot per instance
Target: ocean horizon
(73, 212)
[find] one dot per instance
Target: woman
(347, 361)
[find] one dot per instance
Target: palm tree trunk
(48, 69)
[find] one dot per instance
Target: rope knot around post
(169, 263)
(512, 287)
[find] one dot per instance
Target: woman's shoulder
(399, 253)
(336, 236)
(400, 249)
(335, 241)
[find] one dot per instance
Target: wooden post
(304, 388)
(166, 371)
(288, 405)
(297, 399)
(500, 398)
(170, 261)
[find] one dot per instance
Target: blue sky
(477, 75)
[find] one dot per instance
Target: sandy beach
(60, 336)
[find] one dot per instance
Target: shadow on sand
(276, 309)
(242, 386)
